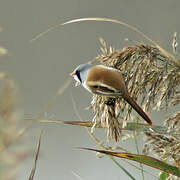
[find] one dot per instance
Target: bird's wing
(102, 89)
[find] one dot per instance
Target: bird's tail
(137, 108)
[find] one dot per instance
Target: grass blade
(147, 160)
(130, 126)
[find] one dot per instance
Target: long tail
(137, 108)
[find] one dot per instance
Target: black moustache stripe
(78, 75)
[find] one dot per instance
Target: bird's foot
(110, 102)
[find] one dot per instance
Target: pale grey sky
(40, 68)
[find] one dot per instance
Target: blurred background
(40, 68)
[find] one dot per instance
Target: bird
(106, 81)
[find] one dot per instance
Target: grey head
(81, 71)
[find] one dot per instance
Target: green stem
(137, 149)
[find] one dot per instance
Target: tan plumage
(107, 81)
(103, 76)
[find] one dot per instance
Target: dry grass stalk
(174, 43)
(31, 177)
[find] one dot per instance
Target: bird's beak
(72, 74)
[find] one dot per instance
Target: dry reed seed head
(106, 115)
(165, 147)
(3, 51)
(171, 177)
(176, 99)
(9, 100)
(9, 128)
(150, 76)
(173, 124)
